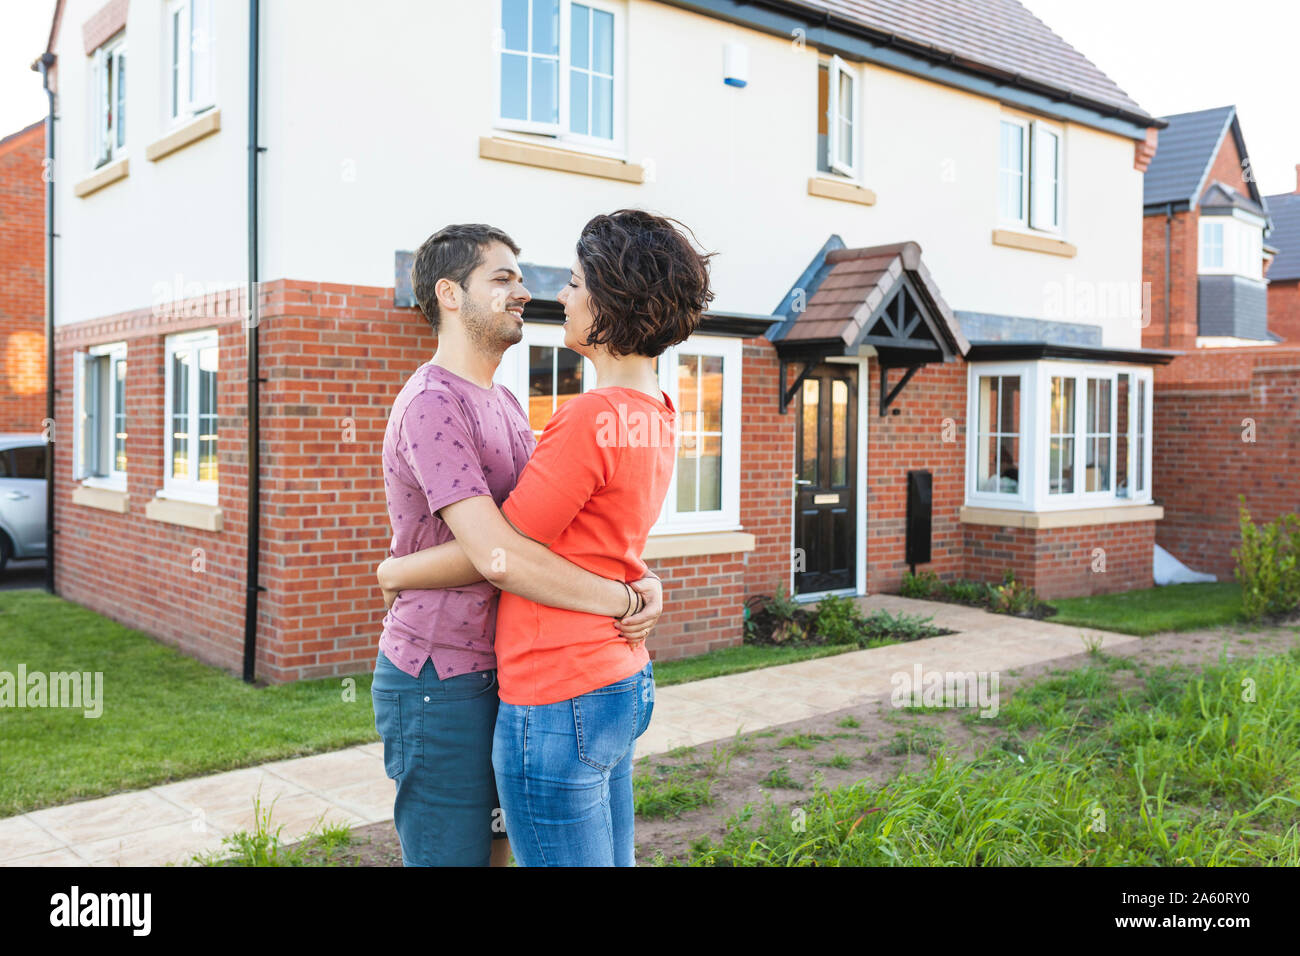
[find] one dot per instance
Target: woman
(575, 693)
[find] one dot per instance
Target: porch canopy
(879, 301)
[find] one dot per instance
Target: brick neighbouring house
(1227, 411)
(22, 281)
(806, 419)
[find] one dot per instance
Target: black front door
(826, 455)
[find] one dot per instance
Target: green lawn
(1176, 607)
(165, 715)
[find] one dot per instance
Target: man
(456, 438)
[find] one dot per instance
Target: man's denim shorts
(438, 748)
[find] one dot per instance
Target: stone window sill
(1076, 518)
(104, 176)
(187, 514)
(1032, 243)
(105, 499)
(694, 545)
(563, 160)
(201, 126)
(842, 190)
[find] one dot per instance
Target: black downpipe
(43, 65)
(250, 350)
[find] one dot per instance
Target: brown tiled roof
(859, 280)
(997, 34)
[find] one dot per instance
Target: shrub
(967, 592)
(1268, 564)
(838, 620)
(921, 585)
(1012, 596)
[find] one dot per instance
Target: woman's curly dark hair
(647, 284)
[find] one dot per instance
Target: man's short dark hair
(453, 252)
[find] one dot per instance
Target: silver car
(22, 497)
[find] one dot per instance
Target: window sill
(563, 160)
(1075, 518)
(697, 544)
(187, 514)
(843, 190)
(205, 124)
(105, 499)
(104, 176)
(1033, 243)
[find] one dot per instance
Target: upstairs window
(837, 112)
(1212, 245)
(1230, 245)
(108, 95)
(560, 70)
(188, 59)
(1030, 177)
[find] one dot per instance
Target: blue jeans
(564, 774)
(438, 748)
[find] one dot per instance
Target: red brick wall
(916, 438)
(22, 281)
(1064, 562)
(333, 358)
(1182, 322)
(1227, 167)
(1200, 461)
(1284, 309)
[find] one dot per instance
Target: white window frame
(559, 131)
(836, 69)
(1041, 191)
(188, 489)
(195, 93)
(996, 499)
(513, 373)
(1023, 221)
(112, 478)
(1035, 435)
(103, 141)
(1034, 189)
(1241, 246)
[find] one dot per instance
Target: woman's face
(577, 311)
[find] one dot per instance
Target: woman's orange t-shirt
(590, 492)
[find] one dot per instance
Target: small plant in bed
(1012, 596)
(835, 620)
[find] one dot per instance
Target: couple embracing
(513, 678)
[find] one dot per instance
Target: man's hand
(390, 595)
(637, 627)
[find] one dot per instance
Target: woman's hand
(636, 627)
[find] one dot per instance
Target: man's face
(493, 307)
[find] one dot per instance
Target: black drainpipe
(250, 350)
(43, 65)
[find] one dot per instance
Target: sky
(1171, 56)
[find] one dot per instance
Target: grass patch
(1184, 770)
(780, 779)
(319, 846)
(1175, 607)
(736, 660)
(165, 716)
(671, 790)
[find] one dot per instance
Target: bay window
(1232, 245)
(1083, 439)
(560, 70)
(190, 442)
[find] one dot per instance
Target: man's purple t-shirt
(447, 439)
